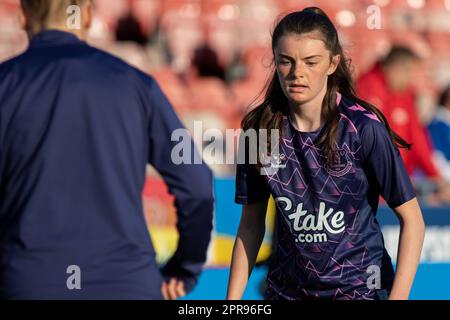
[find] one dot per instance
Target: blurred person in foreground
(78, 129)
(439, 129)
(389, 86)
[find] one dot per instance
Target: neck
(80, 33)
(307, 117)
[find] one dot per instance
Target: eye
(310, 64)
(284, 62)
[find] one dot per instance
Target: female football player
(337, 156)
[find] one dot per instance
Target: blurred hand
(443, 194)
(173, 290)
(443, 191)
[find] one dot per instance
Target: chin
(299, 99)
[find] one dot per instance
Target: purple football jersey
(329, 244)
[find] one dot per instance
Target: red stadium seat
(110, 11)
(212, 94)
(147, 13)
(174, 89)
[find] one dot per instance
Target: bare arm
(412, 232)
(246, 247)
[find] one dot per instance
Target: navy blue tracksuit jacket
(77, 129)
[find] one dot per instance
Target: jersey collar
(50, 38)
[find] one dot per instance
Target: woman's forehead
(304, 43)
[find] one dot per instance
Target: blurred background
(212, 59)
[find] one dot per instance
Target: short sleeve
(385, 165)
(251, 187)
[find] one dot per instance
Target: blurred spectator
(440, 133)
(129, 29)
(388, 85)
(206, 62)
(236, 70)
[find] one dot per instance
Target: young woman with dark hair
(337, 156)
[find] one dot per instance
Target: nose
(298, 71)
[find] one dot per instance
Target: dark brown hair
(270, 112)
(399, 54)
(444, 99)
(40, 12)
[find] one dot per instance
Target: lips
(297, 88)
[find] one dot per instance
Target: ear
(87, 14)
(22, 19)
(335, 60)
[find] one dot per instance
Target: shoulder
(369, 131)
(7, 65)
(117, 73)
(110, 71)
(105, 62)
(12, 72)
(357, 116)
(82, 67)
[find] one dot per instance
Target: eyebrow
(306, 58)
